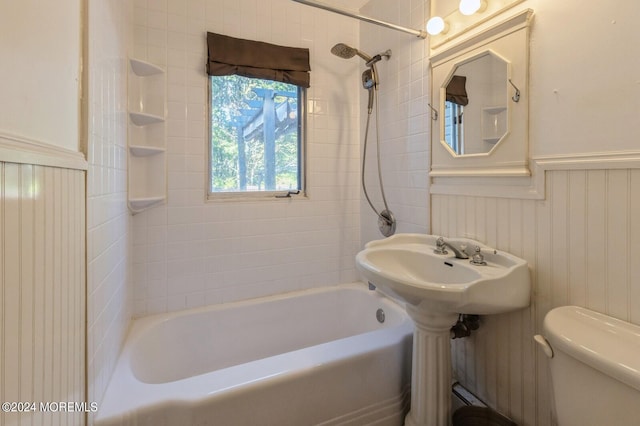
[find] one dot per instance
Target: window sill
(254, 196)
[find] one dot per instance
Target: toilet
(595, 367)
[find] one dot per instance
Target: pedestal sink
(436, 288)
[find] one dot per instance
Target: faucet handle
(478, 257)
(440, 247)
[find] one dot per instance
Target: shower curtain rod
(417, 33)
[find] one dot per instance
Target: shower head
(343, 51)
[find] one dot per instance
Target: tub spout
(372, 287)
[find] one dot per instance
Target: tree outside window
(256, 135)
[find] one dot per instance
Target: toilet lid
(605, 343)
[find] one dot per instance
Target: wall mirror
(481, 130)
(475, 104)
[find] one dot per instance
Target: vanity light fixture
(469, 7)
(437, 25)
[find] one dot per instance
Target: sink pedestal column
(431, 370)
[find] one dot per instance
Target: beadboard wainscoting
(42, 296)
(579, 242)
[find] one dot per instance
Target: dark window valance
(456, 90)
(256, 59)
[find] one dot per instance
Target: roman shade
(256, 59)
(456, 90)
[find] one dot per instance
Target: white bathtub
(315, 357)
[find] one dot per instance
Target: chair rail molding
(533, 187)
(22, 150)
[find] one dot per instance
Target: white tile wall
(191, 252)
(42, 291)
(404, 120)
(579, 243)
(109, 295)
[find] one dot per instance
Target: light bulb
(469, 7)
(436, 25)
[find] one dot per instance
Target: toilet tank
(595, 367)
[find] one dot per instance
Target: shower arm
(417, 33)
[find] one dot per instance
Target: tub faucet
(441, 248)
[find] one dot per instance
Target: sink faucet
(441, 248)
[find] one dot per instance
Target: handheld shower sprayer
(386, 220)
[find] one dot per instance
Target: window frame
(453, 120)
(260, 195)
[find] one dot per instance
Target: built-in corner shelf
(137, 205)
(147, 165)
(144, 69)
(145, 151)
(143, 119)
(494, 123)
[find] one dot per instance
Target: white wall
(40, 43)
(109, 290)
(191, 252)
(404, 118)
(585, 83)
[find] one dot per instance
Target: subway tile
(177, 23)
(157, 20)
(157, 5)
(177, 7)
(213, 229)
(157, 37)
(157, 305)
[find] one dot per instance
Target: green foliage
(228, 102)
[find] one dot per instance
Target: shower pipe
(417, 33)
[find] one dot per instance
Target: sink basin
(406, 266)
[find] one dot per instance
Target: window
(456, 99)
(453, 126)
(256, 136)
(256, 99)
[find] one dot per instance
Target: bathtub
(314, 357)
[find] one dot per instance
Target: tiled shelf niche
(147, 181)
